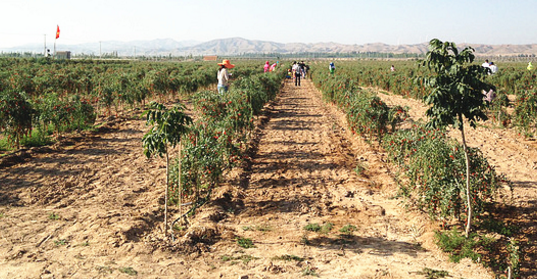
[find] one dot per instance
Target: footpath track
(304, 173)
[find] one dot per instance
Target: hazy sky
(307, 21)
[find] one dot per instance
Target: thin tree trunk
(468, 198)
(166, 196)
(180, 185)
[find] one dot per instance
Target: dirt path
(93, 209)
(514, 157)
(303, 173)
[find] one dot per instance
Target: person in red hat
(223, 76)
(266, 67)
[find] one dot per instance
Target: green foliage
(288, 258)
(457, 245)
(456, 94)
(218, 139)
(514, 257)
(348, 229)
(456, 84)
(169, 125)
(326, 228)
(264, 228)
(366, 113)
(312, 227)
(497, 226)
(359, 169)
(308, 271)
(368, 116)
(526, 112)
(245, 243)
(435, 170)
(16, 114)
(60, 242)
(128, 270)
(63, 115)
(433, 273)
(53, 216)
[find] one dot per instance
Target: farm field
(103, 192)
(312, 198)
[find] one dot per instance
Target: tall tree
(456, 95)
(169, 125)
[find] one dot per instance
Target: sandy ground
(93, 208)
(514, 157)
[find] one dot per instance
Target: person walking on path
(223, 76)
(297, 69)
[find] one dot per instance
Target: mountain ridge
(238, 46)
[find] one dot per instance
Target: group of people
(490, 65)
(298, 71)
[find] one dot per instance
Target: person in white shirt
(485, 64)
(223, 76)
(493, 68)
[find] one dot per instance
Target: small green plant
(247, 258)
(308, 271)
(128, 270)
(326, 228)
(168, 128)
(288, 258)
(359, 169)
(53, 216)
(304, 240)
(84, 244)
(60, 242)
(497, 226)
(245, 242)
(247, 228)
(263, 228)
(104, 269)
(457, 245)
(348, 229)
(2, 215)
(433, 273)
(178, 228)
(514, 257)
(313, 227)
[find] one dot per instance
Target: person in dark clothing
(298, 73)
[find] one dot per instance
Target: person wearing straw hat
(223, 76)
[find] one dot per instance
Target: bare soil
(94, 208)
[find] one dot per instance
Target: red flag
(57, 31)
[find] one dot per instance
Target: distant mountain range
(237, 46)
